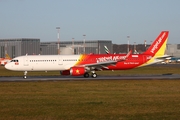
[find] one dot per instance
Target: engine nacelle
(77, 71)
(65, 72)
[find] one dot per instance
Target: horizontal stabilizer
(165, 57)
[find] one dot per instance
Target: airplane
(83, 65)
(4, 61)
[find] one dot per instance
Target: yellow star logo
(77, 71)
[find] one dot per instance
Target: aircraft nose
(7, 66)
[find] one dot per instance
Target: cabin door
(26, 61)
(60, 60)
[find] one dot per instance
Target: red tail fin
(159, 45)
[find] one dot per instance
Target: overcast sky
(97, 19)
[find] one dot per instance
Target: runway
(167, 76)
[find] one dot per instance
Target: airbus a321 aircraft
(83, 65)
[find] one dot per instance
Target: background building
(20, 46)
(123, 48)
(75, 47)
(173, 49)
(31, 46)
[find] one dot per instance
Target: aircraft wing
(100, 65)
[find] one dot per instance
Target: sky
(97, 19)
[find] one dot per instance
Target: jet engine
(77, 71)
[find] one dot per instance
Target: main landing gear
(93, 74)
(86, 75)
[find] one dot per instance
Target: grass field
(88, 100)
(92, 100)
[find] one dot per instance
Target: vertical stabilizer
(7, 56)
(106, 49)
(158, 47)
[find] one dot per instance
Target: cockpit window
(14, 61)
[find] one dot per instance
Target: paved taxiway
(70, 78)
(167, 76)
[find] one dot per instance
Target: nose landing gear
(25, 73)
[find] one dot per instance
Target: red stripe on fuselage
(132, 61)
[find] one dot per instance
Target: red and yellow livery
(82, 65)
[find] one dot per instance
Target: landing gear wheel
(25, 73)
(94, 75)
(86, 75)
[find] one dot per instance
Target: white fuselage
(43, 62)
